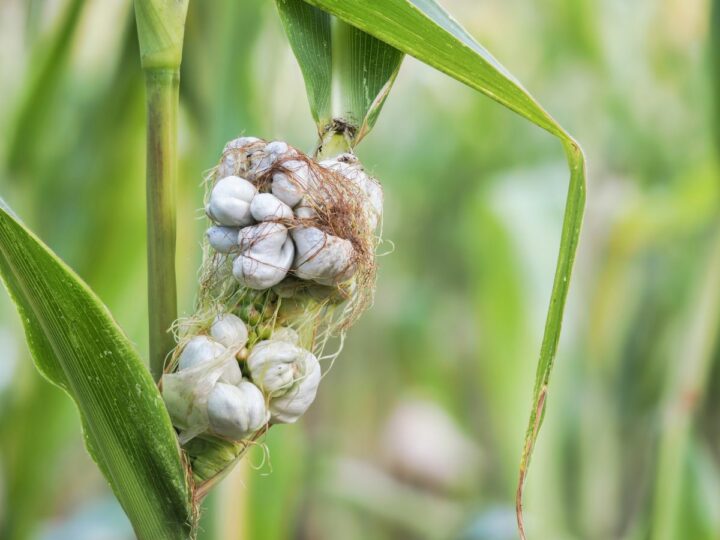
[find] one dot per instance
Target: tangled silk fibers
(288, 262)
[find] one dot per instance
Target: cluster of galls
(277, 383)
(269, 204)
(281, 218)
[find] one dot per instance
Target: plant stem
(162, 87)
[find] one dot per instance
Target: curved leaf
(423, 29)
(78, 346)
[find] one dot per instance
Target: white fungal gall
(223, 239)
(304, 211)
(287, 408)
(262, 161)
(273, 366)
(322, 257)
(374, 193)
(290, 184)
(201, 350)
(267, 207)
(277, 148)
(236, 155)
(349, 166)
(229, 202)
(288, 374)
(229, 330)
(343, 165)
(229, 165)
(267, 252)
(236, 412)
(240, 143)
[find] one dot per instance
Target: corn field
(509, 329)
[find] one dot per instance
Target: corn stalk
(161, 27)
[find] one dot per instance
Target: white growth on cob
(202, 350)
(238, 411)
(290, 263)
(289, 375)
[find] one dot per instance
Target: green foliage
(458, 308)
(310, 34)
(76, 344)
(366, 68)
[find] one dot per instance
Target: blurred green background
(418, 427)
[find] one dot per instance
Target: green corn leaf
(366, 69)
(77, 345)
(348, 73)
(310, 35)
(423, 29)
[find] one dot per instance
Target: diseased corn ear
(301, 272)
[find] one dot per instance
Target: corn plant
(350, 54)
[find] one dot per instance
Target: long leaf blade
(77, 345)
(310, 35)
(423, 29)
